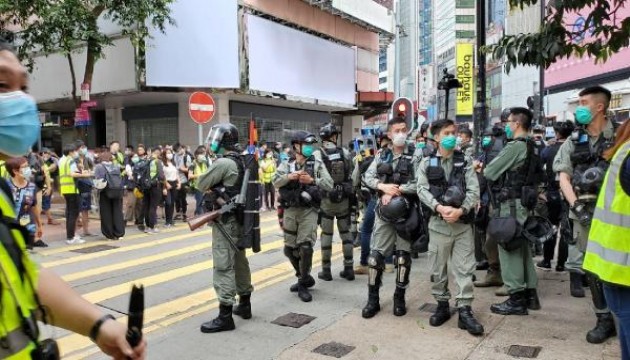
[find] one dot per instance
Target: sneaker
(389, 268)
(75, 241)
(154, 231)
(168, 226)
(544, 265)
(40, 243)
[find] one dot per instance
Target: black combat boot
(303, 292)
(400, 307)
(309, 283)
(223, 322)
(576, 286)
(373, 306)
(531, 298)
(441, 315)
(306, 262)
(468, 322)
(514, 305)
(604, 329)
(347, 273)
(244, 307)
(325, 274)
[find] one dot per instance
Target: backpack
(142, 175)
(114, 188)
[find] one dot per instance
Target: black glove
(583, 215)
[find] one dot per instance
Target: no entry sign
(201, 107)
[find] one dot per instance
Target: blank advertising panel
(201, 50)
(290, 62)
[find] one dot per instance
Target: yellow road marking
(84, 257)
(184, 307)
(121, 289)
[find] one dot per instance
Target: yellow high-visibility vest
(18, 295)
(4, 174)
(608, 251)
(67, 184)
(200, 168)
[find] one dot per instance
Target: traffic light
(403, 107)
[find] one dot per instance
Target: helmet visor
(213, 140)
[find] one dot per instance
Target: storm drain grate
(293, 320)
(430, 308)
(521, 351)
(94, 249)
(334, 349)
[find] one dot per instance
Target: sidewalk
(559, 329)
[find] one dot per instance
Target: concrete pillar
(115, 127)
(351, 128)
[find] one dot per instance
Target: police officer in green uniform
(300, 182)
(335, 203)
(231, 274)
(581, 169)
(27, 292)
(394, 179)
(508, 173)
(447, 184)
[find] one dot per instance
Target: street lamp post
(481, 109)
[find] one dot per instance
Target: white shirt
(170, 172)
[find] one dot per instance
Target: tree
(67, 26)
(606, 32)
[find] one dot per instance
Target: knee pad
(376, 260)
(403, 258)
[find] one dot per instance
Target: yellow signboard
(465, 70)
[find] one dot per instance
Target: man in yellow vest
(608, 250)
(26, 290)
(68, 173)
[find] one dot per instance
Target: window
(464, 34)
(382, 80)
(465, 4)
(465, 19)
(382, 67)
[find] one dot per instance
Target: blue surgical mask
(583, 115)
(27, 172)
(448, 142)
(421, 145)
(201, 158)
(83, 151)
(486, 141)
(19, 123)
(307, 150)
(135, 159)
(214, 147)
(508, 131)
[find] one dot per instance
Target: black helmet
(454, 196)
(380, 133)
(539, 128)
(327, 131)
(223, 136)
(592, 180)
(505, 114)
(564, 128)
(303, 137)
(396, 211)
(538, 229)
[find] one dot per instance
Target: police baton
(135, 319)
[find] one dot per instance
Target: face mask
(214, 147)
(26, 172)
(135, 159)
(269, 156)
(400, 139)
(583, 115)
(83, 151)
(421, 145)
(201, 158)
(486, 141)
(459, 141)
(307, 150)
(169, 156)
(508, 131)
(448, 142)
(19, 123)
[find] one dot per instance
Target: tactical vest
(67, 184)
(552, 151)
(292, 194)
(336, 164)
(439, 184)
(523, 181)
(364, 164)
(493, 150)
(18, 328)
(585, 157)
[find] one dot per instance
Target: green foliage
(64, 26)
(559, 39)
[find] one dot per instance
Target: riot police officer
(581, 169)
(511, 175)
(336, 203)
(231, 275)
(448, 186)
(299, 182)
(394, 179)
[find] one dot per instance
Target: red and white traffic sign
(201, 107)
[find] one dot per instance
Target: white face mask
(400, 139)
(169, 156)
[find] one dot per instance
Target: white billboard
(289, 62)
(371, 12)
(200, 51)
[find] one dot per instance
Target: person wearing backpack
(152, 190)
(108, 179)
(139, 172)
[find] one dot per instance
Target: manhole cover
(94, 249)
(528, 352)
(293, 320)
(334, 349)
(430, 308)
